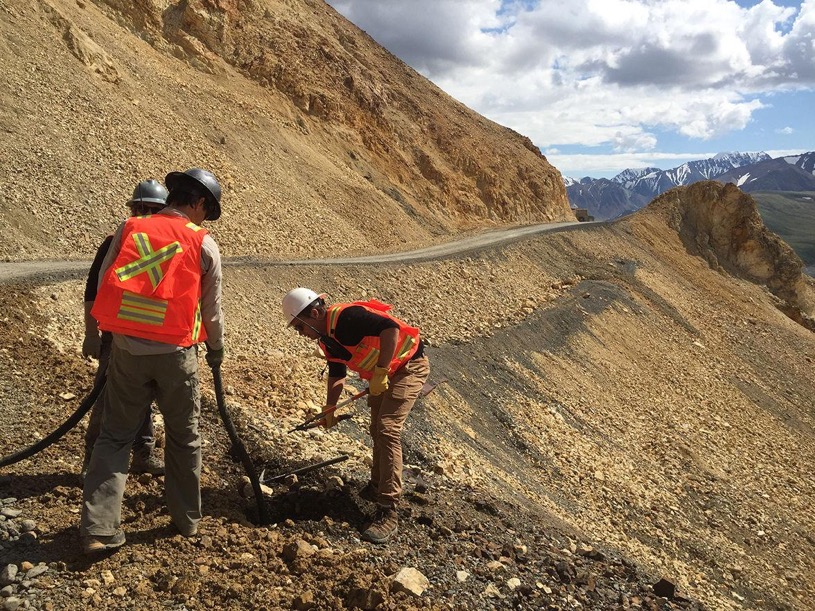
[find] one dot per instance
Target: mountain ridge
(640, 186)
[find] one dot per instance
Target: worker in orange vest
(149, 197)
(160, 296)
(363, 336)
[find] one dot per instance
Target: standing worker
(149, 197)
(159, 295)
(387, 352)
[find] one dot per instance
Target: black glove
(214, 357)
(92, 345)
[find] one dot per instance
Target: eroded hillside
(613, 400)
(323, 141)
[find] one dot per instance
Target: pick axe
(315, 420)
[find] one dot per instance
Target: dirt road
(61, 269)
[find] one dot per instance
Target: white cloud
(580, 165)
(602, 72)
(786, 131)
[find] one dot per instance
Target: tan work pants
(133, 382)
(388, 413)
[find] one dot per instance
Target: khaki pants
(145, 438)
(388, 413)
(133, 382)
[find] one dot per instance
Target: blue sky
(604, 85)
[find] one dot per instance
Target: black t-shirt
(93, 275)
(353, 324)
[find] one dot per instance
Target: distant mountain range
(632, 189)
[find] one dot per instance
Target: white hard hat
(297, 300)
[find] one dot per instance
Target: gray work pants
(145, 438)
(133, 382)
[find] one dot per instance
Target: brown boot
(147, 460)
(384, 526)
(95, 545)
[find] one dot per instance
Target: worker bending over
(387, 352)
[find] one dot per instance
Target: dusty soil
(616, 412)
(324, 143)
(624, 403)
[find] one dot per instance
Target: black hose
(238, 447)
(70, 423)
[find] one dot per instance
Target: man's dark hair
(314, 304)
(187, 195)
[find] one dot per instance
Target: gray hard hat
(198, 178)
(149, 191)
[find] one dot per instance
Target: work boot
(147, 460)
(369, 493)
(384, 526)
(96, 545)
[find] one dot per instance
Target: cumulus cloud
(602, 72)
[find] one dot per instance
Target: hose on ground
(57, 434)
(238, 447)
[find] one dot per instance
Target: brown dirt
(624, 402)
(619, 395)
(324, 143)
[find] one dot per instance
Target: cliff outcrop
(722, 224)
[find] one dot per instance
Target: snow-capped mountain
(637, 187)
(628, 177)
(806, 161)
(794, 173)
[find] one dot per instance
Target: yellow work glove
(379, 381)
(330, 419)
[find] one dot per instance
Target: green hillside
(790, 214)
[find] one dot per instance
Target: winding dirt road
(55, 270)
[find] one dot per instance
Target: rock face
(322, 140)
(419, 140)
(722, 224)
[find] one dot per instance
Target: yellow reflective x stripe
(193, 226)
(196, 327)
(145, 249)
(138, 308)
(402, 352)
(150, 260)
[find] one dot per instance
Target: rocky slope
(617, 411)
(323, 141)
(624, 403)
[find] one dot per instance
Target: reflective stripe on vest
(153, 288)
(150, 260)
(139, 308)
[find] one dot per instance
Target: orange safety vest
(365, 355)
(153, 288)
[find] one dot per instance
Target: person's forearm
(91, 326)
(387, 346)
(212, 313)
(335, 386)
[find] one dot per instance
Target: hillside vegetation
(791, 215)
